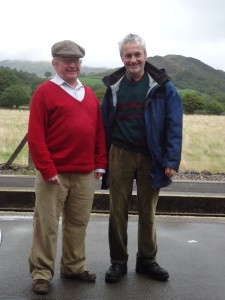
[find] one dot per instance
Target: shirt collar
(59, 81)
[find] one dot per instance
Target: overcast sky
(192, 28)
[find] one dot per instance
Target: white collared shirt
(77, 93)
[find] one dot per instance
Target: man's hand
(98, 175)
(170, 172)
(54, 180)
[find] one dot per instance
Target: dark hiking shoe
(153, 270)
(115, 272)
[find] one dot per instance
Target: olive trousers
(73, 199)
(124, 166)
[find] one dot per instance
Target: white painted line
(192, 241)
(15, 217)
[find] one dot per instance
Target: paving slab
(192, 249)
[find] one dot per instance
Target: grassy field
(203, 140)
(13, 127)
(91, 81)
(204, 143)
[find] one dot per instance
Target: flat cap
(67, 48)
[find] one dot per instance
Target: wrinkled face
(68, 68)
(133, 56)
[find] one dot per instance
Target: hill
(185, 72)
(191, 73)
(179, 63)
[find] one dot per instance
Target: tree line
(17, 87)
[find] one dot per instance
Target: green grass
(91, 81)
(203, 140)
(204, 143)
(13, 127)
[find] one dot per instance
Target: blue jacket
(163, 116)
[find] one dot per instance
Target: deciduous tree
(7, 78)
(14, 96)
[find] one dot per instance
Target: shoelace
(156, 266)
(116, 267)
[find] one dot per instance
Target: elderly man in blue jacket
(142, 114)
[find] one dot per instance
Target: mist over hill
(41, 67)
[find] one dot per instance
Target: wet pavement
(191, 249)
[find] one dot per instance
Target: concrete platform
(192, 249)
(181, 197)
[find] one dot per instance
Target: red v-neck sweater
(65, 135)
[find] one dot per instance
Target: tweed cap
(67, 48)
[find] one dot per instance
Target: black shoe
(153, 270)
(115, 272)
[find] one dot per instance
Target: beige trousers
(73, 199)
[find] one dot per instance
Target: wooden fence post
(30, 162)
(16, 152)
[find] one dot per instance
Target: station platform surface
(192, 249)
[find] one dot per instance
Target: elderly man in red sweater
(66, 142)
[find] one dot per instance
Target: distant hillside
(40, 67)
(178, 63)
(190, 73)
(185, 72)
